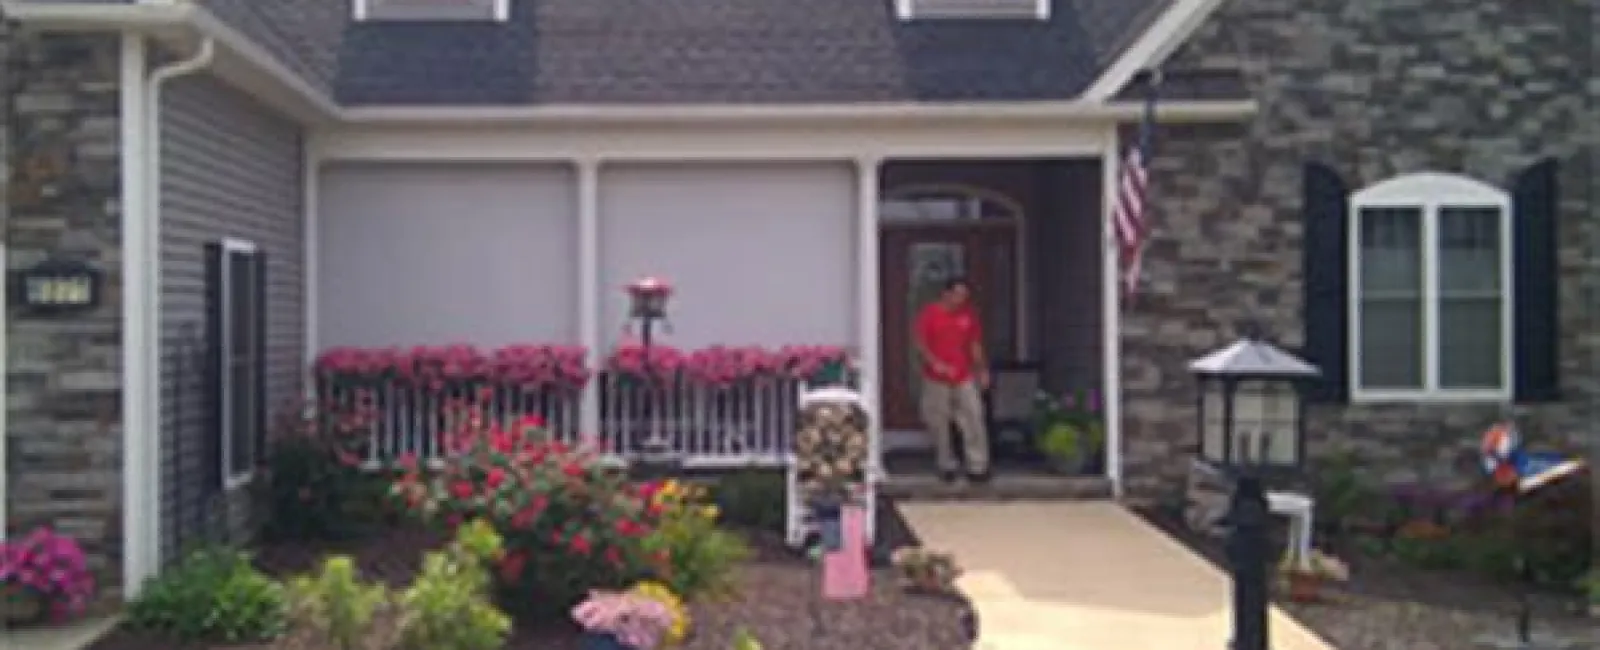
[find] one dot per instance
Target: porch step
(1020, 486)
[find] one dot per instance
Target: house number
(59, 292)
(57, 286)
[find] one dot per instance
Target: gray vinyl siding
(230, 168)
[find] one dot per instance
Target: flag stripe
(1130, 213)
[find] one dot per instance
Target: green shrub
(448, 606)
(752, 498)
(335, 605)
(314, 488)
(213, 595)
(702, 556)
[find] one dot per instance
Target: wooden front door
(917, 260)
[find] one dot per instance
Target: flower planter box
(21, 607)
(596, 641)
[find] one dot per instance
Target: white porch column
(589, 288)
(1111, 315)
(868, 340)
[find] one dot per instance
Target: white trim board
(720, 143)
(1170, 31)
(140, 514)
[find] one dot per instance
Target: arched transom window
(939, 203)
(1430, 283)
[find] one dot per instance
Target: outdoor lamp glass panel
(1213, 425)
(1266, 425)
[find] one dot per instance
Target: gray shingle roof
(692, 51)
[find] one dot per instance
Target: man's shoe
(978, 478)
(947, 476)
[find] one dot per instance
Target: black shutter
(1326, 273)
(1534, 270)
(259, 348)
(214, 372)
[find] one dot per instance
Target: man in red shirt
(954, 371)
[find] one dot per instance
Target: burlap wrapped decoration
(831, 449)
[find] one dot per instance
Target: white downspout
(150, 249)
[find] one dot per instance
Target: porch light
(648, 296)
(1250, 407)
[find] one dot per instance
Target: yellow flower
(680, 613)
(710, 512)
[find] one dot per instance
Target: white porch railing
(701, 426)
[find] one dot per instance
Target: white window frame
(907, 9)
(232, 248)
(361, 10)
(1429, 192)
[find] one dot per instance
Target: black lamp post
(647, 298)
(1251, 426)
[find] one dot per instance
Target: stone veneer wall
(1374, 88)
(64, 426)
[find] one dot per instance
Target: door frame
(1020, 288)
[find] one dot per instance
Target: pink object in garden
(844, 572)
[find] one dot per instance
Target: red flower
(462, 490)
(496, 478)
(630, 528)
(346, 458)
(408, 461)
(580, 544)
(614, 556)
(511, 565)
(654, 509)
(572, 469)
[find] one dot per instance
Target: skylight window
(433, 10)
(972, 9)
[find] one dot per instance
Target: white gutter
(150, 255)
(568, 114)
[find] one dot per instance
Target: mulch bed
(778, 602)
(1387, 605)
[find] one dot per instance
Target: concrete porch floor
(1084, 576)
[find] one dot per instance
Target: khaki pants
(961, 404)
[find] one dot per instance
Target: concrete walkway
(73, 636)
(1084, 576)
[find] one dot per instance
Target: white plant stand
(796, 522)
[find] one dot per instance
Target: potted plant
(1304, 577)
(1071, 430)
(43, 575)
(622, 621)
(923, 571)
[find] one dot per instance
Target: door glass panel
(931, 264)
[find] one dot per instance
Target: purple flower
(1094, 400)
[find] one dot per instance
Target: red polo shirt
(948, 335)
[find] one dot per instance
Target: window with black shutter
(239, 358)
(1433, 287)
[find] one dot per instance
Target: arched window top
(1434, 188)
(947, 203)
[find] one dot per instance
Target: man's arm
(980, 361)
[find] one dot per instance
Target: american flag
(1130, 214)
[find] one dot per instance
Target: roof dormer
(432, 10)
(972, 9)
